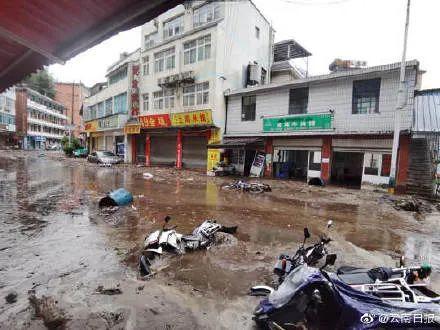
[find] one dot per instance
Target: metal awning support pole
(401, 102)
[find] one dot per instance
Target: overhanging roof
(234, 143)
(34, 33)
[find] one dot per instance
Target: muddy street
(55, 242)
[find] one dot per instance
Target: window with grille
(248, 108)
(173, 27)
(120, 103)
(146, 102)
(117, 76)
(197, 50)
(146, 66)
(150, 40)
(164, 99)
(206, 13)
(196, 94)
(164, 60)
(108, 107)
(298, 100)
(366, 96)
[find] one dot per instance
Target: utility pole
(401, 102)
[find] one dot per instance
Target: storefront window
(371, 163)
(315, 160)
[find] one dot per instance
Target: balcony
(45, 134)
(45, 123)
(46, 110)
(174, 80)
(298, 123)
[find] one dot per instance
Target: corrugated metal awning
(34, 33)
(426, 117)
(233, 143)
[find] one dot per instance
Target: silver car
(104, 157)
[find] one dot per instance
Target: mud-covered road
(55, 243)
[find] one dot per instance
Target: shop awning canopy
(34, 33)
(238, 143)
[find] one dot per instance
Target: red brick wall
(65, 92)
(21, 112)
(326, 154)
(402, 164)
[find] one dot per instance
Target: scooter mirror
(167, 219)
(306, 233)
(329, 223)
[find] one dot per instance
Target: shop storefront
(107, 134)
(178, 139)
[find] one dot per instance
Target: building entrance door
(347, 168)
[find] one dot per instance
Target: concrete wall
(335, 95)
(233, 46)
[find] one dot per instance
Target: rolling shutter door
(163, 150)
(194, 151)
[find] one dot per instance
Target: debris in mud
(118, 197)
(112, 318)
(109, 291)
(412, 204)
(147, 176)
(11, 297)
(106, 211)
(46, 308)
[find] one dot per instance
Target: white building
(46, 121)
(7, 118)
(106, 110)
(189, 57)
(337, 126)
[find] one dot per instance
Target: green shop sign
(298, 123)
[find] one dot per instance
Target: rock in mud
(11, 297)
(47, 309)
(112, 290)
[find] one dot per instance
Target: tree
(41, 81)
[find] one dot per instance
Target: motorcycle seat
(356, 278)
(350, 270)
(353, 275)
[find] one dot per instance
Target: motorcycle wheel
(255, 189)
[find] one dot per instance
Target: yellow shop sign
(91, 126)
(132, 129)
(193, 118)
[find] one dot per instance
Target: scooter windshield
(296, 279)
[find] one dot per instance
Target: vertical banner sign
(213, 154)
(135, 91)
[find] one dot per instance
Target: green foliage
(69, 148)
(41, 81)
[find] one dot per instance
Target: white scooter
(168, 240)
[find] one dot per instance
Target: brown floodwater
(54, 240)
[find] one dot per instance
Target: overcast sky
(370, 30)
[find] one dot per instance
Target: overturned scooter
(168, 240)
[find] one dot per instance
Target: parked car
(54, 147)
(104, 157)
(80, 152)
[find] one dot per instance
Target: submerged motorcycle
(353, 298)
(319, 299)
(168, 240)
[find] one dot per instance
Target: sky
(368, 30)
